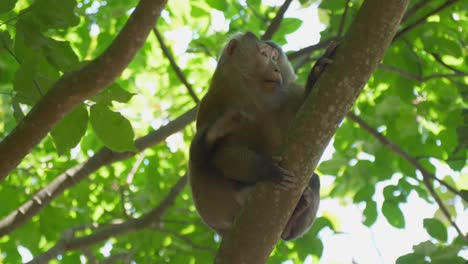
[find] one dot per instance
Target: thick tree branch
(70, 242)
(421, 20)
(257, 229)
(413, 161)
(74, 87)
(76, 174)
(276, 22)
(174, 65)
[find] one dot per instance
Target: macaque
(241, 127)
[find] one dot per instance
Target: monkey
(230, 152)
(219, 199)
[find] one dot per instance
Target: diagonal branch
(76, 174)
(261, 221)
(308, 50)
(75, 87)
(419, 78)
(413, 9)
(276, 22)
(174, 65)
(421, 20)
(70, 242)
(343, 19)
(441, 62)
(405, 155)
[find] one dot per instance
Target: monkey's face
(261, 63)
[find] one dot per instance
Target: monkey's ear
(231, 46)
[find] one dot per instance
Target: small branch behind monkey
(174, 65)
(276, 22)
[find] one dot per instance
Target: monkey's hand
(320, 65)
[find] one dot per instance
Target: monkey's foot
(285, 179)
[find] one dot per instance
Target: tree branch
(257, 229)
(413, 9)
(187, 240)
(421, 20)
(74, 87)
(174, 65)
(70, 242)
(343, 20)
(276, 22)
(441, 62)
(418, 78)
(308, 50)
(76, 174)
(405, 155)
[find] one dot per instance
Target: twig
(5, 46)
(439, 60)
(423, 19)
(418, 78)
(174, 65)
(413, 9)
(276, 22)
(76, 174)
(70, 242)
(343, 19)
(308, 50)
(186, 240)
(405, 155)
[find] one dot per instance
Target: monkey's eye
(274, 56)
(264, 53)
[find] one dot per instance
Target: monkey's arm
(241, 164)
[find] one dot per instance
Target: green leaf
(393, 214)
(61, 55)
(464, 195)
(68, 132)
(55, 13)
(364, 194)
(221, 5)
(290, 25)
(114, 130)
(411, 258)
(7, 5)
(370, 213)
(436, 229)
(114, 92)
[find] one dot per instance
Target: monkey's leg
(241, 164)
(305, 212)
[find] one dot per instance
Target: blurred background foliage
(417, 99)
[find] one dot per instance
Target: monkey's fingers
(287, 179)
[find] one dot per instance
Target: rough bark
(261, 222)
(74, 87)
